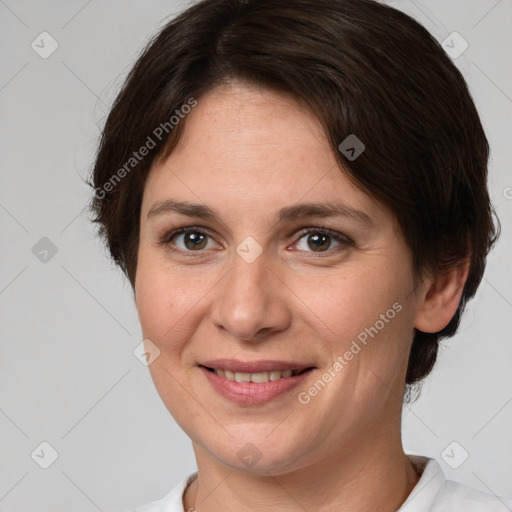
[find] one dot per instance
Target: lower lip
(253, 393)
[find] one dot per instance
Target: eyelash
(343, 240)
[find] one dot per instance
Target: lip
(254, 366)
(252, 393)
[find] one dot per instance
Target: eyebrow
(297, 211)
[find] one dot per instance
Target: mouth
(257, 377)
(254, 383)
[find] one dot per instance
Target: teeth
(242, 377)
(254, 377)
(259, 377)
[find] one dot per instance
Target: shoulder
(457, 496)
(434, 493)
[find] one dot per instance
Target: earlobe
(441, 298)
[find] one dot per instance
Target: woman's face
(286, 266)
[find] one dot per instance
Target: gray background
(68, 375)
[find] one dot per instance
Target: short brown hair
(363, 68)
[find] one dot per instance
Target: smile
(251, 384)
(259, 377)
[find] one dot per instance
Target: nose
(251, 301)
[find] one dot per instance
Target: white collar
(432, 493)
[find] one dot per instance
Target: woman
(296, 191)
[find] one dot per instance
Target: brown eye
(187, 240)
(321, 240)
(195, 241)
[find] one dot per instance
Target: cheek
(347, 303)
(171, 302)
(163, 299)
(165, 304)
(367, 319)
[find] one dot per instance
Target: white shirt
(432, 493)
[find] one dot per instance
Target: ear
(441, 299)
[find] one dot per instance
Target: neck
(376, 475)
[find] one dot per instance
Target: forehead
(237, 121)
(254, 151)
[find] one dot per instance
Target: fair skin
(246, 153)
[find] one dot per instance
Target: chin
(258, 450)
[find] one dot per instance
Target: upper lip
(254, 366)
